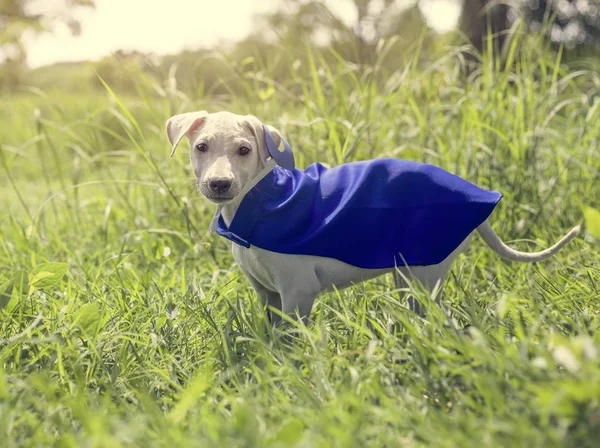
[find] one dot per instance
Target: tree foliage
(355, 35)
(19, 17)
(384, 34)
(574, 23)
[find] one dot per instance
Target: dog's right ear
(181, 125)
(256, 128)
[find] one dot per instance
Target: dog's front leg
(271, 299)
(295, 277)
(299, 303)
(290, 303)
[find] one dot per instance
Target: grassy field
(125, 323)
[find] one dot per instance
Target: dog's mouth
(219, 199)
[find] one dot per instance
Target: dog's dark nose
(219, 185)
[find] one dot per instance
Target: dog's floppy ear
(256, 127)
(181, 125)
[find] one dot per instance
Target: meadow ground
(125, 323)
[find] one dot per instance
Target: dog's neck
(228, 212)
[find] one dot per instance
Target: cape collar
(251, 208)
(242, 194)
(284, 158)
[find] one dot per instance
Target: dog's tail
(498, 246)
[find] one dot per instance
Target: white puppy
(228, 153)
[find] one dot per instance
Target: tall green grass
(152, 337)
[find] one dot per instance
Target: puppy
(298, 233)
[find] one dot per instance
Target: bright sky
(169, 26)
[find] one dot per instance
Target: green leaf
(592, 221)
(20, 281)
(192, 394)
(6, 289)
(122, 106)
(161, 321)
(88, 318)
(290, 433)
(264, 95)
(47, 274)
(4, 386)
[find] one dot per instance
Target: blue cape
(374, 214)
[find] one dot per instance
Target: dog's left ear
(256, 127)
(181, 125)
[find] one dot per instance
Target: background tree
(19, 17)
(572, 23)
(481, 19)
(356, 38)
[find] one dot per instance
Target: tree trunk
(483, 19)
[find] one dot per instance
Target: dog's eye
(243, 150)
(202, 147)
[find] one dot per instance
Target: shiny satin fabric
(372, 214)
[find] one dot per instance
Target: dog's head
(226, 150)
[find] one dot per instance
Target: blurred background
(487, 90)
(152, 305)
(205, 45)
